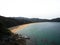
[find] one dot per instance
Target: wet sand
(16, 28)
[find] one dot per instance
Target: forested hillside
(14, 21)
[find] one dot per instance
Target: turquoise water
(47, 33)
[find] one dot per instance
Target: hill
(33, 20)
(14, 21)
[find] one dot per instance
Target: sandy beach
(16, 28)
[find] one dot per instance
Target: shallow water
(47, 33)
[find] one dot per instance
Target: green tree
(3, 30)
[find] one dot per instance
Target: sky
(45, 9)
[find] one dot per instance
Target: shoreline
(19, 27)
(16, 28)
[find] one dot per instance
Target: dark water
(47, 33)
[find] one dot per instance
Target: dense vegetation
(33, 20)
(14, 21)
(10, 22)
(9, 38)
(4, 31)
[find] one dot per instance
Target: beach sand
(16, 28)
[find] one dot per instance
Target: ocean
(44, 33)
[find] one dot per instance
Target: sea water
(45, 33)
